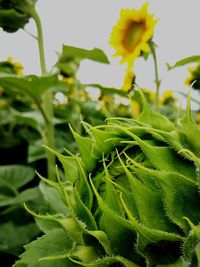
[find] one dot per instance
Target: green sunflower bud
(15, 14)
(132, 197)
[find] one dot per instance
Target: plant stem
(157, 81)
(47, 105)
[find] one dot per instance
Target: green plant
(30, 116)
(131, 197)
(17, 226)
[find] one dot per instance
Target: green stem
(157, 81)
(47, 105)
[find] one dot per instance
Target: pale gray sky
(88, 24)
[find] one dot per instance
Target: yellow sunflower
(132, 33)
(167, 97)
(17, 66)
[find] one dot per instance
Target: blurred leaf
(34, 119)
(30, 118)
(31, 85)
(11, 20)
(15, 176)
(6, 117)
(108, 90)
(36, 151)
(183, 62)
(13, 237)
(80, 53)
(26, 195)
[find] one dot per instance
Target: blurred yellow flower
(167, 97)
(189, 80)
(136, 108)
(194, 78)
(128, 80)
(132, 34)
(149, 94)
(3, 103)
(69, 80)
(18, 67)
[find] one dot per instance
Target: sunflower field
(95, 175)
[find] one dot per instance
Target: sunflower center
(133, 35)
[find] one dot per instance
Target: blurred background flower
(194, 78)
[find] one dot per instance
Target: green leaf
(85, 145)
(148, 239)
(36, 151)
(50, 250)
(107, 262)
(180, 195)
(70, 225)
(36, 148)
(148, 204)
(191, 130)
(33, 119)
(16, 175)
(26, 195)
(80, 53)
(110, 196)
(107, 90)
(103, 141)
(69, 164)
(31, 85)
(167, 158)
(98, 238)
(82, 212)
(153, 118)
(183, 62)
(83, 186)
(53, 198)
(120, 232)
(13, 237)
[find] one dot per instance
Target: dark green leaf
(31, 85)
(16, 175)
(183, 62)
(11, 20)
(50, 250)
(80, 53)
(12, 236)
(108, 90)
(26, 195)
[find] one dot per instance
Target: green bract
(14, 14)
(131, 197)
